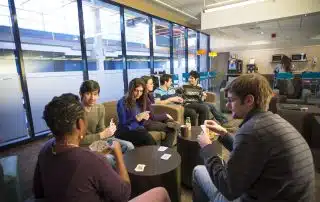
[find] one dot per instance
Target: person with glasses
(269, 159)
(132, 114)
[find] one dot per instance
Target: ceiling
(296, 31)
(194, 7)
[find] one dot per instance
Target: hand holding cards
(213, 136)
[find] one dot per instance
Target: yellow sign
(201, 52)
(213, 54)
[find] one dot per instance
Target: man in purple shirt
(67, 172)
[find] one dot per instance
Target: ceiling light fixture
(234, 5)
(176, 9)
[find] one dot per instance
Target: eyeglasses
(231, 99)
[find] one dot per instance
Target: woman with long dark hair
(132, 114)
(159, 122)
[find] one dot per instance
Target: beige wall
(263, 58)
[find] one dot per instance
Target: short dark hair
(194, 74)
(89, 86)
(165, 78)
(252, 84)
(62, 113)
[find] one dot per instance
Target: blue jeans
(125, 146)
(203, 187)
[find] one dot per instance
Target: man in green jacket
(95, 116)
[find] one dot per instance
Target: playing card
(162, 148)
(140, 168)
(204, 129)
(165, 156)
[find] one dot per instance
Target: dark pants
(193, 109)
(171, 132)
(139, 137)
(219, 116)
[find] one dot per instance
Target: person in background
(132, 114)
(165, 94)
(95, 116)
(269, 159)
(159, 122)
(194, 81)
(66, 172)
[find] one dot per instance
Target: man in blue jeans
(95, 114)
(269, 159)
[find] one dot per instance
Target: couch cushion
(110, 112)
(157, 136)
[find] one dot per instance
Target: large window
(52, 57)
(204, 58)
(179, 50)
(161, 45)
(137, 43)
(13, 124)
(104, 51)
(192, 50)
(51, 51)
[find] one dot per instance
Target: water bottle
(188, 123)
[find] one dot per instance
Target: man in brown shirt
(66, 172)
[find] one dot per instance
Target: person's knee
(204, 108)
(197, 171)
(111, 160)
(129, 145)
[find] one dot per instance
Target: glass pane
(179, 50)
(137, 42)
(137, 67)
(161, 45)
(192, 49)
(104, 51)
(13, 124)
(51, 51)
(203, 58)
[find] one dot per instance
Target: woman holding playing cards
(132, 114)
(159, 122)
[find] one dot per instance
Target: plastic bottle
(188, 123)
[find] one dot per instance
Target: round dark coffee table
(189, 149)
(157, 172)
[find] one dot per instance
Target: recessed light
(261, 33)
